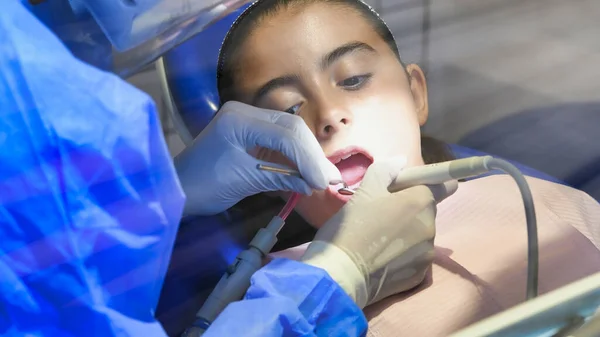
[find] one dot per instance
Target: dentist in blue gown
(90, 201)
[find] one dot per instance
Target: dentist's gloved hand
(380, 243)
(216, 171)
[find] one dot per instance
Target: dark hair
(261, 208)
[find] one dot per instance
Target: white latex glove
(216, 171)
(380, 243)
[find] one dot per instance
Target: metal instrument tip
(346, 190)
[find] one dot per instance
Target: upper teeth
(345, 157)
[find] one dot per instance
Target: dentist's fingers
(268, 181)
(287, 134)
(443, 191)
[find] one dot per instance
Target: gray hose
(532, 236)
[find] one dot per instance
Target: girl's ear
(418, 86)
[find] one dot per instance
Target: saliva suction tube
(235, 282)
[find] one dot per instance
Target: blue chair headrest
(191, 71)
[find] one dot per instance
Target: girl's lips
(344, 153)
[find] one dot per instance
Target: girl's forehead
(325, 17)
(310, 29)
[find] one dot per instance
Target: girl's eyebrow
(343, 50)
(276, 83)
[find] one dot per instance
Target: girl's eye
(354, 82)
(293, 110)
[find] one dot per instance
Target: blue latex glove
(217, 171)
(289, 298)
(89, 201)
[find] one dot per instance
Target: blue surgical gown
(289, 298)
(90, 206)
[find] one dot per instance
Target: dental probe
(274, 169)
(439, 173)
(345, 190)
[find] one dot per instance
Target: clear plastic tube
(289, 206)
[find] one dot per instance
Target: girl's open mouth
(353, 163)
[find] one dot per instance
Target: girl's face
(326, 63)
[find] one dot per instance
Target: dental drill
(236, 280)
(439, 173)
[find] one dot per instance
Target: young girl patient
(335, 64)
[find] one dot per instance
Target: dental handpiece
(440, 173)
